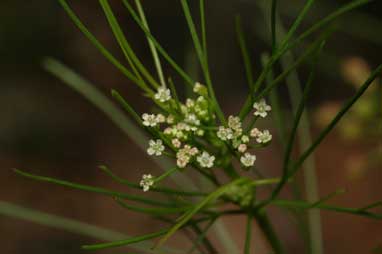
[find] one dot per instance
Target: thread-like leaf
(125, 46)
(87, 188)
(188, 215)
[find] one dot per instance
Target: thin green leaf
(202, 59)
(187, 216)
(87, 188)
(296, 23)
(277, 113)
(127, 107)
(328, 197)
(73, 226)
(203, 26)
(244, 52)
(202, 235)
(129, 241)
(336, 119)
(323, 22)
(307, 53)
(292, 136)
(101, 48)
(123, 43)
(153, 50)
(153, 189)
(248, 234)
(273, 25)
(306, 205)
(160, 49)
(157, 211)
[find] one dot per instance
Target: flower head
(182, 159)
(155, 147)
(160, 118)
(206, 160)
(234, 123)
(149, 120)
(264, 137)
(224, 133)
(146, 182)
(261, 108)
(200, 89)
(163, 94)
(248, 159)
(245, 139)
(176, 143)
(254, 132)
(242, 148)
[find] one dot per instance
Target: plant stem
(267, 228)
(248, 236)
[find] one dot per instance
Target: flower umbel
(146, 182)
(149, 120)
(261, 108)
(224, 133)
(206, 160)
(163, 94)
(248, 159)
(155, 147)
(264, 137)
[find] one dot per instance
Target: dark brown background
(47, 128)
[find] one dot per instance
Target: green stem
(267, 228)
(248, 235)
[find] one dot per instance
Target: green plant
(197, 136)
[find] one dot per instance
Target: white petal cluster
(206, 160)
(248, 160)
(163, 94)
(146, 182)
(149, 120)
(261, 108)
(184, 155)
(234, 123)
(262, 137)
(155, 147)
(225, 133)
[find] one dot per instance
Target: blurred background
(47, 128)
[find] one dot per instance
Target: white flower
(224, 133)
(255, 132)
(245, 139)
(187, 149)
(234, 123)
(149, 120)
(182, 160)
(264, 137)
(163, 94)
(190, 103)
(261, 108)
(206, 160)
(160, 118)
(242, 148)
(156, 147)
(192, 119)
(200, 132)
(248, 159)
(176, 143)
(170, 119)
(146, 182)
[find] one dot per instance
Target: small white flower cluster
(261, 108)
(180, 127)
(234, 134)
(262, 137)
(146, 182)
